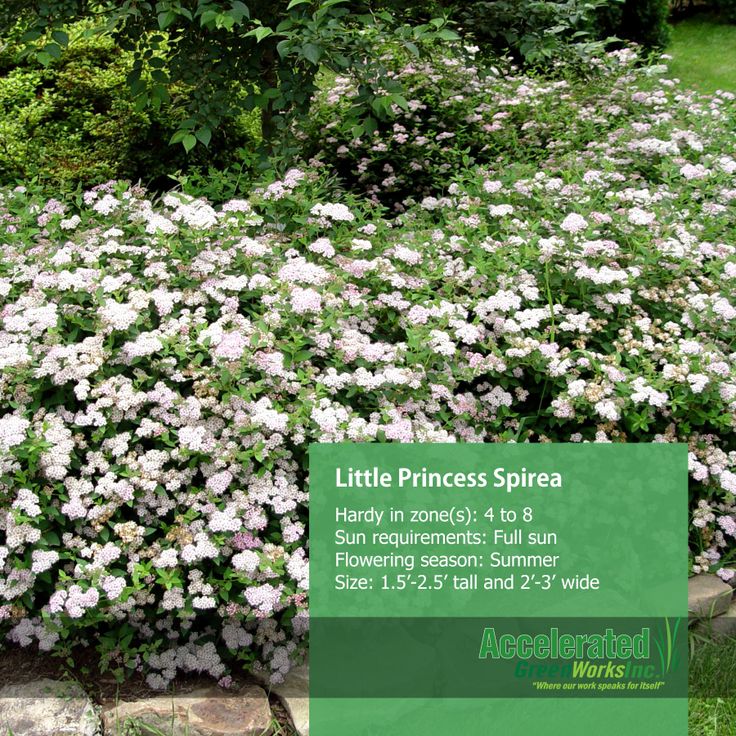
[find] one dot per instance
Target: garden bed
(168, 360)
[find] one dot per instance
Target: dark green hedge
(641, 21)
(534, 29)
(74, 122)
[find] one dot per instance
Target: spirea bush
(459, 111)
(165, 364)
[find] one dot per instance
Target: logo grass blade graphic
(665, 642)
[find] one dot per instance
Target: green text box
(491, 537)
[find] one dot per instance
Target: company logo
(604, 660)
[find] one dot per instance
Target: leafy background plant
(74, 120)
(197, 72)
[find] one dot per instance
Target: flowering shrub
(460, 112)
(166, 363)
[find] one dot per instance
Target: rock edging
(711, 602)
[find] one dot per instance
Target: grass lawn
(713, 685)
(712, 717)
(704, 54)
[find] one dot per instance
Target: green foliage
(457, 114)
(727, 9)
(543, 31)
(73, 120)
(642, 21)
(223, 182)
(233, 56)
(536, 31)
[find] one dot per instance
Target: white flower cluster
(158, 395)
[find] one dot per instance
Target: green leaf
(159, 94)
(33, 35)
(189, 141)
(312, 52)
(286, 25)
(137, 87)
(53, 50)
(447, 35)
(380, 105)
(401, 101)
(165, 19)
(207, 17)
(44, 58)
(294, 3)
(61, 38)
(239, 11)
(260, 33)
(225, 21)
(411, 48)
(204, 135)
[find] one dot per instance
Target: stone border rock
(54, 708)
(205, 712)
(711, 602)
(294, 694)
(47, 708)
